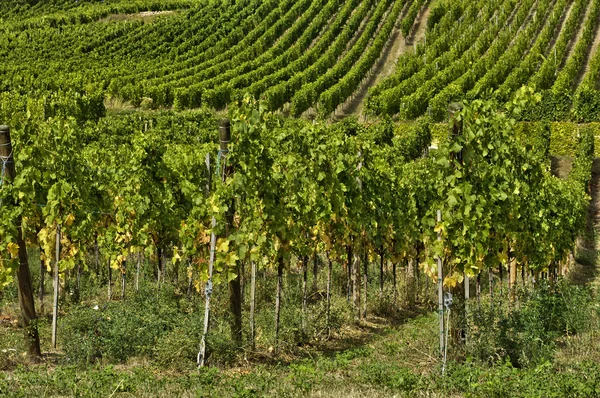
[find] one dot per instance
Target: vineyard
(310, 55)
(184, 196)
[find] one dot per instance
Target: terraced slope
(496, 48)
(320, 56)
(295, 54)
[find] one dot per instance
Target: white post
(440, 289)
(56, 286)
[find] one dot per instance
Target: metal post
(440, 289)
(56, 285)
(208, 290)
(224, 137)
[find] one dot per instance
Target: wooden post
(109, 280)
(395, 281)
(315, 271)
(304, 290)
(235, 300)
(512, 275)
(235, 287)
(42, 289)
(478, 289)
(159, 264)
(381, 260)
(137, 272)
(365, 282)
(252, 305)
(24, 283)
(329, 272)
(78, 279)
(96, 256)
(417, 281)
(356, 286)
(349, 273)
(501, 277)
(56, 286)
(440, 289)
(491, 282)
(280, 265)
(123, 276)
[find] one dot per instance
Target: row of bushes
(564, 105)
(564, 136)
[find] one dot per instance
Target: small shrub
(178, 348)
(524, 333)
(392, 376)
(118, 331)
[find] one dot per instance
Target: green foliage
(309, 94)
(415, 139)
(408, 21)
(506, 380)
(568, 74)
(436, 13)
(563, 139)
(119, 331)
(394, 377)
(343, 89)
(535, 136)
(582, 166)
(526, 334)
(586, 105)
(439, 132)
(554, 106)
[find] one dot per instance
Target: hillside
(299, 198)
(310, 55)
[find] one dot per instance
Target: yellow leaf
(176, 255)
(13, 249)
(69, 220)
(453, 280)
(503, 257)
(231, 259)
(223, 246)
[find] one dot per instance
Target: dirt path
(561, 26)
(591, 53)
(386, 64)
(585, 271)
(575, 40)
(147, 16)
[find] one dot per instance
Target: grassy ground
(385, 360)
(381, 357)
(394, 354)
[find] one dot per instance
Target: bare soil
(561, 166)
(147, 16)
(571, 46)
(585, 264)
(591, 53)
(585, 271)
(386, 64)
(561, 26)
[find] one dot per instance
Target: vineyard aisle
(579, 34)
(387, 64)
(586, 267)
(592, 53)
